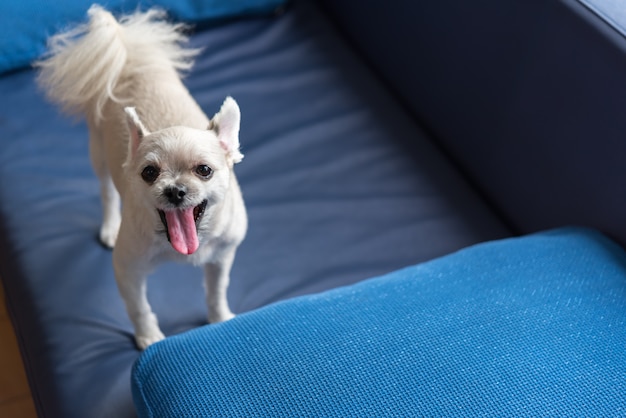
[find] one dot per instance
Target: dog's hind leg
(110, 198)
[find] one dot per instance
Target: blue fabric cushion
(26, 24)
(531, 326)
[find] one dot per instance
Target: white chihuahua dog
(155, 152)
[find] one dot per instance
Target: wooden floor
(15, 399)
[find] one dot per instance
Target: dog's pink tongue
(182, 230)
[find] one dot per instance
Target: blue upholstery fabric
(340, 182)
(26, 24)
(531, 326)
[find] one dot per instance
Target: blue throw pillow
(27, 24)
(532, 326)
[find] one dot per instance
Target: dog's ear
(136, 129)
(226, 123)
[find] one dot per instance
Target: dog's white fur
(123, 77)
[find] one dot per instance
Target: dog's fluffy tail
(84, 66)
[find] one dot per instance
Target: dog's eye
(150, 174)
(204, 171)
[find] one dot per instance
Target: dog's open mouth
(181, 227)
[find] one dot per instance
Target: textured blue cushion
(531, 326)
(26, 24)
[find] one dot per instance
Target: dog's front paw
(145, 340)
(108, 234)
(222, 316)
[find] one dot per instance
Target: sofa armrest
(526, 96)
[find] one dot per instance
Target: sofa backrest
(528, 97)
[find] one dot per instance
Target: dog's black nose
(175, 194)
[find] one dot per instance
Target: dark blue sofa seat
(341, 183)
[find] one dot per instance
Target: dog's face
(180, 173)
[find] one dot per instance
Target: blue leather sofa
(437, 204)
